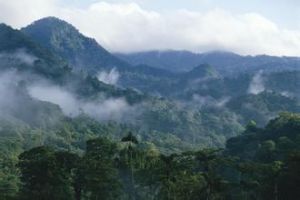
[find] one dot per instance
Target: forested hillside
(77, 122)
(77, 92)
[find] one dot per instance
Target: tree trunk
(78, 193)
(276, 191)
(132, 176)
(208, 192)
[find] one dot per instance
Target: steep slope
(26, 62)
(13, 39)
(65, 40)
(15, 44)
(21, 62)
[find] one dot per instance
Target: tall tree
(129, 151)
(46, 174)
(100, 175)
(208, 163)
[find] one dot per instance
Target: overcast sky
(245, 27)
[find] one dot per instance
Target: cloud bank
(103, 110)
(127, 27)
(12, 96)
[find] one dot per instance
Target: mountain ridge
(224, 62)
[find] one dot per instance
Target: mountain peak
(51, 18)
(51, 21)
(63, 39)
(51, 29)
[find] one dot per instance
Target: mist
(20, 56)
(103, 109)
(109, 77)
(17, 106)
(287, 94)
(202, 101)
(257, 84)
(56, 95)
(7, 81)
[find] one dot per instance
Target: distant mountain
(46, 87)
(225, 62)
(171, 60)
(200, 74)
(65, 40)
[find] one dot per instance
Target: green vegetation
(259, 164)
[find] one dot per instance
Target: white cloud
(106, 109)
(56, 95)
(19, 12)
(110, 77)
(102, 108)
(287, 94)
(257, 84)
(20, 55)
(210, 101)
(127, 27)
(109, 109)
(7, 80)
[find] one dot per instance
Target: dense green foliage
(259, 164)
